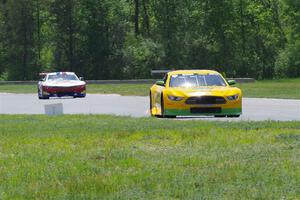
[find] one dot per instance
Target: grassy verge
(284, 88)
(107, 157)
(11, 88)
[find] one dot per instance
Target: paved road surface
(253, 108)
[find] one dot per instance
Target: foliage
(118, 39)
(139, 56)
(288, 62)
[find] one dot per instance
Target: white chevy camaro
(59, 84)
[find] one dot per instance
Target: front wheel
(150, 103)
(41, 96)
(220, 116)
(233, 116)
(163, 109)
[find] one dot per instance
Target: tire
(38, 92)
(163, 109)
(220, 116)
(44, 97)
(41, 96)
(150, 103)
(162, 105)
(170, 116)
(233, 116)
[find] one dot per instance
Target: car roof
(55, 73)
(196, 71)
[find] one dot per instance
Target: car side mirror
(231, 82)
(81, 78)
(160, 83)
(41, 79)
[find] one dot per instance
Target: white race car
(59, 84)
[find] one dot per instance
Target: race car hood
(63, 83)
(204, 91)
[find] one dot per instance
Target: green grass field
(107, 157)
(283, 88)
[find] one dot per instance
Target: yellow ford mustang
(195, 92)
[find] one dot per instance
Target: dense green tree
(119, 39)
(288, 61)
(2, 43)
(167, 14)
(94, 31)
(264, 37)
(65, 27)
(18, 30)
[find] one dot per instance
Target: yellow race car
(195, 92)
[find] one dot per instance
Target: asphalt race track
(253, 108)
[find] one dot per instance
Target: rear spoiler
(163, 72)
(43, 74)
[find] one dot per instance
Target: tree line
(121, 39)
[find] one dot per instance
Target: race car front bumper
(215, 111)
(76, 91)
(185, 107)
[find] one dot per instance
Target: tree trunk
(136, 18)
(38, 31)
(242, 26)
(146, 18)
(24, 56)
(71, 36)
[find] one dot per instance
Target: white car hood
(63, 83)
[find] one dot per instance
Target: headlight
(174, 98)
(233, 97)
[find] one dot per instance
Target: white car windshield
(63, 77)
(196, 80)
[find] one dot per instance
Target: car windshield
(196, 80)
(63, 77)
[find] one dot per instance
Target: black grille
(205, 100)
(57, 87)
(61, 94)
(206, 110)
